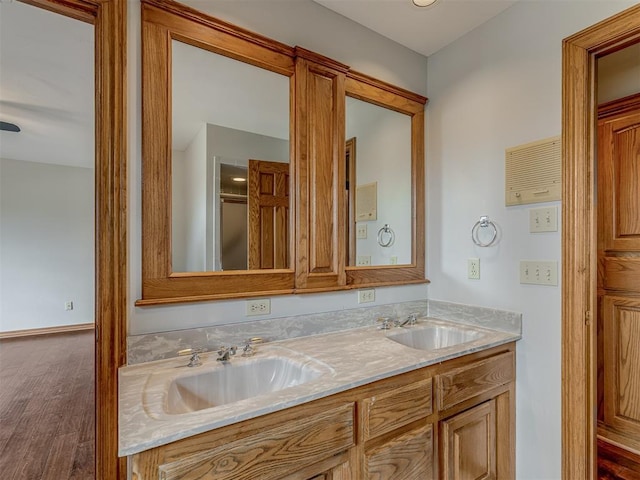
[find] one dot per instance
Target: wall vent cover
(533, 172)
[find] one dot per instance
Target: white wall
(46, 245)
(296, 22)
(497, 87)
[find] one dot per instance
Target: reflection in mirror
(227, 117)
(378, 186)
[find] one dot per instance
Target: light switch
(539, 272)
(543, 219)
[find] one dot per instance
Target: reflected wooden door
(268, 199)
(619, 276)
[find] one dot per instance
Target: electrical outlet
(68, 305)
(366, 296)
(361, 230)
(393, 260)
(538, 273)
(363, 260)
(260, 306)
(543, 219)
(473, 268)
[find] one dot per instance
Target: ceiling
(46, 81)
(422, 29)
(46, 86)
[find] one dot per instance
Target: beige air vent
(534, 172)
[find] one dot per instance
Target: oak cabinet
(469, 444)
(452, 420)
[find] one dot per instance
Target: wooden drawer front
(466, 382)
(271, 454)
(406, 457)
(390, 410)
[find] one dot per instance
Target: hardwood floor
(47, 407)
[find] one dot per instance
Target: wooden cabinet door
(469, 445)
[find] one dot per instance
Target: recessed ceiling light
(423, 3)
(239, 179)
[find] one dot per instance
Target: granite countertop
(345, 360)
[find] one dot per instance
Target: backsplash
(157, 346)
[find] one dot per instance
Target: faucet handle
(249, 346)
(386, 323)
(412, 318)
(194, 361)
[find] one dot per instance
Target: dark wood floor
(617, 464)
(47, 417)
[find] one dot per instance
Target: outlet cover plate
(473, 268)
(366, 296)
(361, 230)
(260, 306)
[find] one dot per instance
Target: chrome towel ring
(386, 236)
(484, 222)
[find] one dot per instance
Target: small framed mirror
(384, 194)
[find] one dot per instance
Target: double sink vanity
(325, 211)
(430, 400)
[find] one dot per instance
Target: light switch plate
(539, 272)
(543, 219)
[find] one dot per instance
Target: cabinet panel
(269, 455)
(465, 382)
(406, 457)
(319, 177)
(469, 444)
(402, 406)
(622, 358)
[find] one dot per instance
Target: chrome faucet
(225, 353)
(411, 320)
(194, 361)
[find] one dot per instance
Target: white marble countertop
(347, 359)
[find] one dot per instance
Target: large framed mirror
(216, 159)
(384, 195)
(235, 144)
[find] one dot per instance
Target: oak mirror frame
(166, 21)
(370, 90)
(163, 23)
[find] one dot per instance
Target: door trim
(579, 256)
(109, 18)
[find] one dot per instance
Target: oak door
(268, 199)
(619, 274)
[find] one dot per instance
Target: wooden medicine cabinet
(244, 167)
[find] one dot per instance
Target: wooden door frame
(579, 255)
(109, 18)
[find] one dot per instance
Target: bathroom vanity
(377, 409)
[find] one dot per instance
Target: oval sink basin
(433, 337)
(221, 384)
